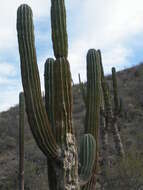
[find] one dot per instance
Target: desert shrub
(127, 174)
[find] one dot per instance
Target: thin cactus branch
(83, 90)
(115, 91)
(21, 140)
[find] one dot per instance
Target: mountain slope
(130, 83)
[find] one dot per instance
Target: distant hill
(130, 83)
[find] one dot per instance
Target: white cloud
(100, 24)
(9, 98)
(109, 26)
(8, 10)
(7, 70)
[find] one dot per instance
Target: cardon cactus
(92, 121)
(110, 114)
(51, 125)
(21, 140)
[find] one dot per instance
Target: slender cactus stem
(21, 140)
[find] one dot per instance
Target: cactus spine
(21, 140)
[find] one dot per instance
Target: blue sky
(114, 26)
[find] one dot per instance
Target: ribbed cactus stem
(103, 132)
(59, 32)
(49, 91)
(115, 91)
(87, 157)
(93, 93)
(93, 104)
(83, 90)
(62, 100)
(36, 111)
(21, 140)
(111, 120)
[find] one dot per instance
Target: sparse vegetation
(131, 132)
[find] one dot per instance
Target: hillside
(130, 83)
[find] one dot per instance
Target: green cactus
(104, 130)
(49, 90)
(93, 106)
(93, 93)
(37, 116)
(110, 116)
(82, 89)
(59, 32)
(115, 91)
(86, 157)
(117, 99)
(21, 140)
(51, 125)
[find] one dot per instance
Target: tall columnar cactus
(115, 91)
(52, 126)
(103, 132)
(21, 140)
(116, 114)
(93, 105)
(117, 100)
(110, 116)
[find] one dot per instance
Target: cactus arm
(59, 32)
(82, 89)
(101, 64)
(93, 93)
(21, 140)
(115, 91)
(49, 91)
(36, 112)
(86, 158)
